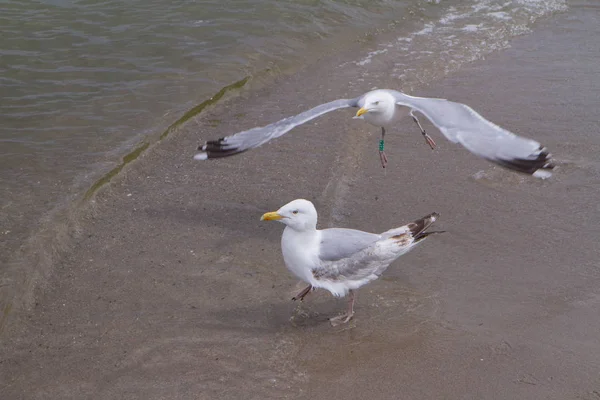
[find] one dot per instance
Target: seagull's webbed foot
(383, 159)
(341, 319)
(300, 296)
(428, 138)
(429, 141)
(344, 318)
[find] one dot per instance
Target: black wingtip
(218, 148)
(543, 161)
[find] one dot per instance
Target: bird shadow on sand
(313, 315)
(275, 317)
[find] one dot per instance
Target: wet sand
(176, 289)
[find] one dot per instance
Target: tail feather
(423, 235)
(418, 227)
(417, 230)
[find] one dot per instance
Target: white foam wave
(465, 33)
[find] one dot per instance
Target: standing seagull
(458, 122)
(337, 259)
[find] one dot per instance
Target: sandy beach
(175, 290)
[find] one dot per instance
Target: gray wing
(376, 254)
(255, 137)
(338, 243)
(364, 265)
(461, 124)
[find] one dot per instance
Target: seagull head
(299, 215)
(377, 103)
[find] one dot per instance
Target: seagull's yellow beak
(271, 216)
(361, 112)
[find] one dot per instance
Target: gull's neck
(306, 232)
(305, 241)
(301, 251)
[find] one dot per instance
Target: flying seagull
(337, 259)
(458, 122)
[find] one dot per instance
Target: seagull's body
(458, 122)
(340, 260)
(380, 108)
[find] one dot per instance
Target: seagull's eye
(295, 212)
(376, 103)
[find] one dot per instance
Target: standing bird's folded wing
(338, 243)
(372, 255)
(242, 141)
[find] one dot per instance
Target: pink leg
(300, 296)
(429, 141)
(428, 138)
(382, 156)
(383, 159)
(344, 318)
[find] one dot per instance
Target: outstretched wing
(255, 137)
(461, 124)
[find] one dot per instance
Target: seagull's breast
(300, 252)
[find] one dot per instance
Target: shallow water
(175, 289)
(84, 82)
